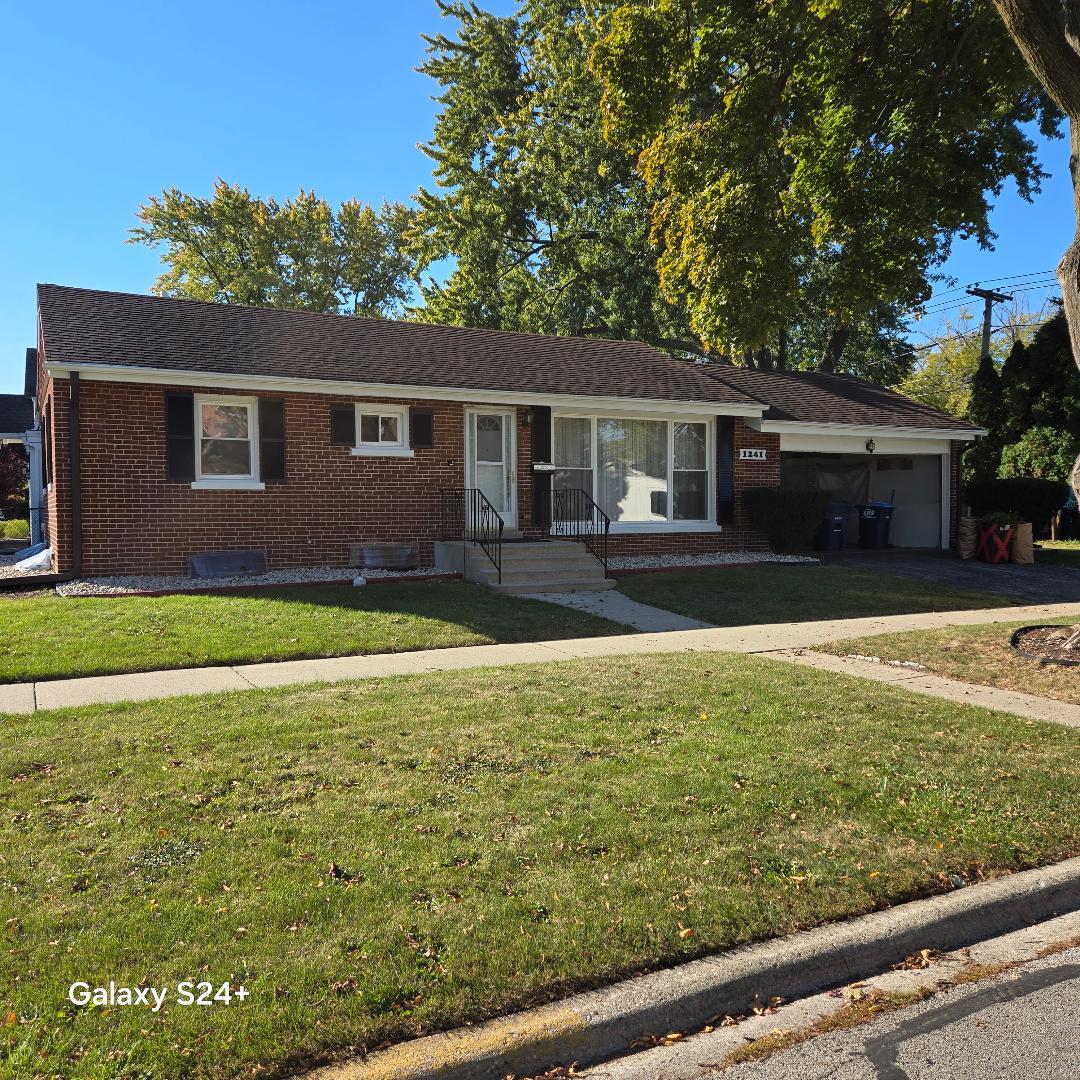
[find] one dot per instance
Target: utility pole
(989, 297)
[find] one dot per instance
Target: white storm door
(490, 460)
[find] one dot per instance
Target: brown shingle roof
(16, 414)
(814, 397)
(86, 326)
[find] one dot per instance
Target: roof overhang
(283, 384)
(801, 427)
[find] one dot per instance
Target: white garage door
(913, 483)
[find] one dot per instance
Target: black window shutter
(541, 433)
(342, 425)
(180, 436)
(725, 470)
(421, 429)
(271, 440)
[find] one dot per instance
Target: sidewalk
(768, 637)
(922, 682)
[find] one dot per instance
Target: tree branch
(1039, 30)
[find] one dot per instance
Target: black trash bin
(830, 535)
(875, 519)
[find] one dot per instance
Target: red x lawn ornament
(994, 544)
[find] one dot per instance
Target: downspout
(75, 478)
(33, 450)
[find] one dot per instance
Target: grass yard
(975, 654)
(1059, 553)
(52, 637)
(768, 593)
(375, 860)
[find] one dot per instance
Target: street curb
(589, 1028)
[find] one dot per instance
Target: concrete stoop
(529, 566)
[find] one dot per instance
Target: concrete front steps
(531, 566)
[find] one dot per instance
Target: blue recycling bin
(875, 520)
(831, 533)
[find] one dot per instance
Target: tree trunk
(781, 350)
(1049, 40)
(1047, 33)
(834, 351)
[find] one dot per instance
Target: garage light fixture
(869, 446)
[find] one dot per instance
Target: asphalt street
(1022, 1024)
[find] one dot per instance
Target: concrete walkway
(768, 637)
(618, 607)
(920, 682)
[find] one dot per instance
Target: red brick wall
(135, 520)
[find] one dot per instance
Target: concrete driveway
(1025, 584)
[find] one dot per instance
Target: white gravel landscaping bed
(717, 558)
(141, 583)
(8, 569)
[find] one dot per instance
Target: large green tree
(1047, 32)
(832, 145)
(946, 368)
(235, 248)
(1035, 387)
(547, 225)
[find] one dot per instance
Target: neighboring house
(174, 427)
(18, 425)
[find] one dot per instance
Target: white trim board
(273, 383)
(798, 442)
(782, 427)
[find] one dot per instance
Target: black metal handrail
(572, 512)
(467, 514)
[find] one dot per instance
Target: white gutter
(274, 383)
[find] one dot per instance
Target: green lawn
(976, 654)
(498, 837)
(738, 595)
(51, 637)
(1059, 553)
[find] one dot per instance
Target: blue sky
(104, 105)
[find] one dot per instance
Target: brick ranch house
(172, 427)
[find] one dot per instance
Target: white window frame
(400, 448)
(216, 482)
(707, 524)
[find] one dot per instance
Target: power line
(1036, 287)
(1016, 279)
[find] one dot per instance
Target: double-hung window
(227, 445)
(690, 475)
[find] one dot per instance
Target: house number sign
(749, 454)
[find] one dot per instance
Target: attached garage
(863, 443)
(915, 483)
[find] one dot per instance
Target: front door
(490, 466)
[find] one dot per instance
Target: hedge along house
(173, 427)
